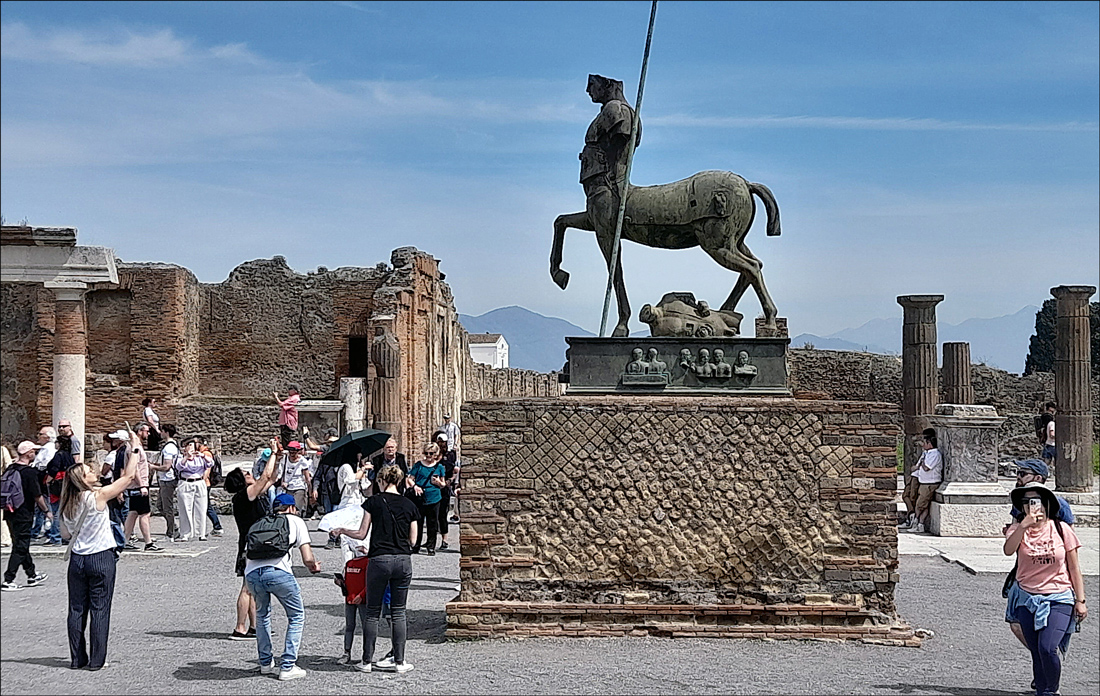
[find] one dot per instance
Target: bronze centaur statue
(712, 209)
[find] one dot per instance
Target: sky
(912, 147)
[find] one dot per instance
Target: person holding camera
(1049, 590)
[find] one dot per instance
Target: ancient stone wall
(717, 516)
(18, 360)
(484, 382)
(848, 375)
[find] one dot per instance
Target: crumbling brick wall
(18, 360)
(678, 516)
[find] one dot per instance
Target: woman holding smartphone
(1049, 590)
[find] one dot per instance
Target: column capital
(919, 301)
(1082, 292)
(67, 289)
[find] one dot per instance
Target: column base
(969, 510)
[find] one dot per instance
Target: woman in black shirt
(394, 517)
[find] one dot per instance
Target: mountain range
(537, 342)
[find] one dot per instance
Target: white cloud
(20, 42)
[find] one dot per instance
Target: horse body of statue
(712, 210)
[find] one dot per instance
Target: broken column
(957, 388)
(70, 347)
(353, 392)
(919, 376)
(385, 354)
(1072, 390)
(969, 502)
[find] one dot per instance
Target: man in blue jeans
(273, 576)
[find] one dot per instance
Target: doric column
(919, 378)
(1072, 391)
(385, 354)
(70, 348)
(353, 392)
(957, 388)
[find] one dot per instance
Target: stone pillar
(353, 392)
(919, 378)
(70, 348)
(969, 502)
(385, 354)
(1072, 389)
(957, 388)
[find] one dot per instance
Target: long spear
(626, 181)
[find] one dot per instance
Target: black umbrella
(346, 449)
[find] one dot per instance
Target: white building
(490, 349)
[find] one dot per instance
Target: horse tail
(770, 205)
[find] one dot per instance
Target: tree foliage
(1040, 354)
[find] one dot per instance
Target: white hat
(27, 446)
(441, 436)
(119, 435)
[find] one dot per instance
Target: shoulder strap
(1058, 527)
(75, 532)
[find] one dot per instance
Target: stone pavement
(985, 554)
(172, 616)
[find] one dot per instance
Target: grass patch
(901, 457)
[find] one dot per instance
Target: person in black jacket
(390, 455)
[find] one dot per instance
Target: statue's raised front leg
(578, 221)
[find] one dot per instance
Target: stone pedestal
(919, 378)
(1072, 389)
(957, 388)
(353, 392)
(780, 330)
(970, 502)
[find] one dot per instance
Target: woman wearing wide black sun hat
(1050, 590)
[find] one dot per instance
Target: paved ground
(985, 554)
(172, 615)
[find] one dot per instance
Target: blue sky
(912, 148)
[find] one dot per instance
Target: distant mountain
(1000, 342)
(535, 342)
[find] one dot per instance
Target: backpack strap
(75, 532)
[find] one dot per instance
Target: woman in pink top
(1051, 589)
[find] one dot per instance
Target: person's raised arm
(261, 484)
(1012, 543)
(116, 487)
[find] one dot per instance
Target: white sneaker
(269, 668)
(344, 659)
(386, 663)
(403, 667)
(363, 667)
(919, 529)
(202, 538)
(10, 587)
(295, 672)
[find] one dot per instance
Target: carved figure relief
(742, 367)
(648, 372)
(721, 367)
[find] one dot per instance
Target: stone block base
(778, 621)
(950, 519)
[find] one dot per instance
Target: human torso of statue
(603, 143)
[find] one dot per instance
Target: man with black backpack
(268, 572)
(20, 493)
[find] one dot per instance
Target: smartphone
(1036, 505)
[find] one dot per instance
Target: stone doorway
(358, 356)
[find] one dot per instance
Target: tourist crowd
(378, 510)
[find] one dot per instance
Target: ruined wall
(483, 382)
(714, 516)
(18, 360)
(847, 375)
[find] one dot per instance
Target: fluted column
(385, 354)
(70, 349)
(919, 374)
(957, 388)
(1072, 390)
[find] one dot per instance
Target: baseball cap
(446, 416)
(442, 436)
(285, 499)
(27, 446)
(1036, 466)
(266, 453)
(294, 445)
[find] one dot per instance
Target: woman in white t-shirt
(353, 481)
(92, 556)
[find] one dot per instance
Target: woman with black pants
(86, 523)
(428, 477)
(395, 519)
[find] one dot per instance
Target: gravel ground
(172, 616)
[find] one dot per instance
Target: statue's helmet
(608, 85)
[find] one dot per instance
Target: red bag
(355, 580)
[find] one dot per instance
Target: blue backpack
(11, 489)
